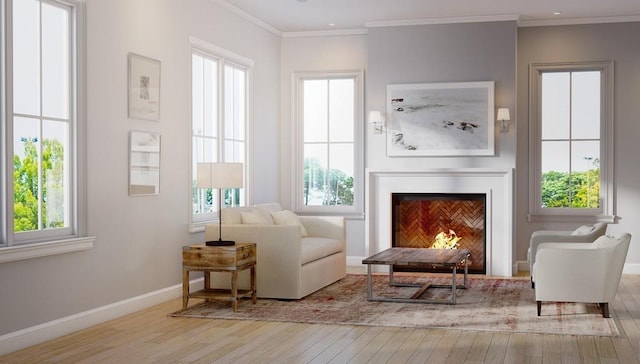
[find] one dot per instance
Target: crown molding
(445, 20)
(250, 18)
(579, 21)
(325, 33)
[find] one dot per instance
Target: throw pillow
(286, 217)
(584, 230)
(255, 217)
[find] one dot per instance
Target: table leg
(466, 269)
(234, 290)
(207, 280)
(454, 286)
(369, 289)
(185, 288)
(253, 285)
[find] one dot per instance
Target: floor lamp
(219, 175)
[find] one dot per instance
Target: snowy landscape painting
(440, 119)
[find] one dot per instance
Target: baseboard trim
(34, 335)
(354, 261)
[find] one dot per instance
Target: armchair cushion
(584, 230)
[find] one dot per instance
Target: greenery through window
(42, 117)
(571, 141)
(329, 152)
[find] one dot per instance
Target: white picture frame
(441, 119)
(144, 87)
(144, 163)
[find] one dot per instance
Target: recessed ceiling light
(302, 1)
(556, 13)
(332, 24)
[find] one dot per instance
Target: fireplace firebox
(430, 220)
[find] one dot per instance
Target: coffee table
(419, 257)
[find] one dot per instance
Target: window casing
(42, 192)
(220, 99)
(327, 136)
(571, 145)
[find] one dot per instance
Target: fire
(446, 241)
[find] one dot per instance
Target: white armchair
(583, 234)
(580, 272)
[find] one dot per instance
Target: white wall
(327, 53)
(581, 43)
(139, 239)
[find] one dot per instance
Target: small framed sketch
(441, 119)
(144, 87)
(144, 163)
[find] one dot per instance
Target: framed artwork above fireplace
(440, 119)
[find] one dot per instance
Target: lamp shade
(219, 175)
(503, 114)
(375, 117)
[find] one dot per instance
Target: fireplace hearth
(419, 219)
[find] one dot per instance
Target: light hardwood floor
(150, 336)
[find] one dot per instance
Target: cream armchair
(583, 234)
(296, 255)
(580, 272)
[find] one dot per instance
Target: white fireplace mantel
(497, 184)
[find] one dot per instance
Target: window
(571, 148)
(329, 132)
(42, 121)
(219, 119)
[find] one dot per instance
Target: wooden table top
(417, 256)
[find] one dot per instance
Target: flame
(446, 241)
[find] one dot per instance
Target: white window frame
(606, 211)
(46, 242)
(223, 57)
(297, 144)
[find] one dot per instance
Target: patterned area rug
(488, 304)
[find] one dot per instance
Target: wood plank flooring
(150, 336)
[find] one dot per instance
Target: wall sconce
(503, 118)
(376, 118)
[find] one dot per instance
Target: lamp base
(220, 243)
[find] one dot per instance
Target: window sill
(37, 250)
(584, 219)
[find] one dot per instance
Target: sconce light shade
(503, 118)
(377, 119)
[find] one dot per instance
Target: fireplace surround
(495, 184)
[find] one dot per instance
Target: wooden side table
(208, 259)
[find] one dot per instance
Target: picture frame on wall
(441, 119)
(144, 87)
(144, 163)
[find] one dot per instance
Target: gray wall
(442, 53)
(139, 239)
(597, 42)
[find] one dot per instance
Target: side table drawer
(201, 256)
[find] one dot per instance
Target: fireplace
(440, 220)
(495, 184)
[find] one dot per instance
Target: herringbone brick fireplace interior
(418, 217)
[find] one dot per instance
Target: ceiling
(296, 16)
